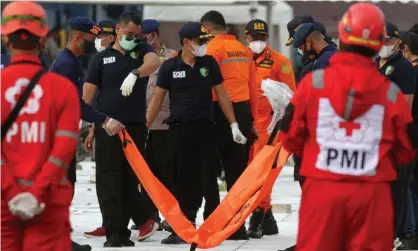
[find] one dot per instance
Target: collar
(391, 58)
(329, 47)
(162, 50)
(225, 37)
(180, 60)
(70, 53)
(267, 52)
(26, 58)
(351, 59)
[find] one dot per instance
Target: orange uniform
(270, 64)
(237, 67)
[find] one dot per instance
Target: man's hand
(255, 132)
(112, 126)
(25, 205)
(128, 84)
(237, 135)
(88, 142)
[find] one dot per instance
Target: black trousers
(71, 173)
(234, 157)
(117, 184)
(195, 162)
(157, 157)
(399, 197)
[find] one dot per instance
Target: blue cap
(303, 31)
(194, 30)
(391, 30)
(84, 24)
(150, 25)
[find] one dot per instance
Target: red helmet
(363, 25)
(27, 16)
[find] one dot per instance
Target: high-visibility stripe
(234, 60)
(58, 162)
(318, 79)
(28, 183)
(66, 133)
(392, 94)
(3, 162)
(349, 104)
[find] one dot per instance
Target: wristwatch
(135, 72)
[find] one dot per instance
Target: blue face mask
(127, 45)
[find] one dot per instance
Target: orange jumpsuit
(273, 65)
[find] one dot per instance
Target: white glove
(237, 135)
(25, 205)
(112, 126)
(128, 84)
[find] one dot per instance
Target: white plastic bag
(279, 96)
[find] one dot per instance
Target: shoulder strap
(22, 100)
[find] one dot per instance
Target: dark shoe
(166, 226)
(172, 239)
(407, 243)
(292, 248)
(255, 231)
(270, 224)
(115, 241)
(77, 247)
(240, 234)
(160, 226)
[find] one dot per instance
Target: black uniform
(116, 183)
(191, 133)
(400, 71)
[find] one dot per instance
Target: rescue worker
(311, 42)
(42, 139)
(345, 125)
(270, 64)
(189, 79)
(117, 184)
(399, 70)
(156, 146)
(107, 35)
(238, 71)
(409, 50)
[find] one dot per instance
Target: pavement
(85, 216)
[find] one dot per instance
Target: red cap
(363, 25)
(27, 16)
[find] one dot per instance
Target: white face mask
(98, 45)
(199, 51)
(149, 40)
(386, 51)
(258, 46)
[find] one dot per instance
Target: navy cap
(391, 30)
(294, 23)
(302, 32)
(150, 25)
(84, 24)
(257, 26)
(194, 30)
(107, 27)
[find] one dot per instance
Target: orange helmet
(363, 25)
(27, 16)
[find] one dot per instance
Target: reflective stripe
(57, 162)
(28, 183)
(233, 60)
(392, 94)
(349, 104)
(318, 79)
(3, 162)
(66, 133)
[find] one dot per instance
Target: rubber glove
(25, 205)
(128, 84)
(237, 135)
(112, 126)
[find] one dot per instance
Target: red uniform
(35, 155)
(349, 124)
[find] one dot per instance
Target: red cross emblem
(349, 127)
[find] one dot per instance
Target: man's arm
(283, 72)
(9, 187)
(89, 92)
(155, 105)
(406, 81)
(225, 103)
(63, 146)
(150, 65)
(253, 88)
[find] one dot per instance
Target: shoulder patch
(286, 68)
